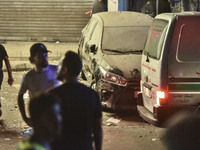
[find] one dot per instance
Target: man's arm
(98, 134)
(8, 67)
(21, 106)
(89, 12)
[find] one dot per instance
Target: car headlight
(113, 78)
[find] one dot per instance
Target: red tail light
(161, 97)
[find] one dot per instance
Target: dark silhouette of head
(184, 133)
(70, 65)
(45, 114)
(38, 48)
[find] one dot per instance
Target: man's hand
(21, 106)
(8, 67)
(10, 81)
(89, 12)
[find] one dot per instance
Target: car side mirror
(93, 48)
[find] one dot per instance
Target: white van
(170, 67)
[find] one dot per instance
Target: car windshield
(124, 39)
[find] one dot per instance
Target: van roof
(172, 15)
(123, 18)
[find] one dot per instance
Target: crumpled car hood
(129, 64)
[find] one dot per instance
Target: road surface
(122, 130)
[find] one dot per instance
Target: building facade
(38, 20)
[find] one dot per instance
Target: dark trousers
(1, 80)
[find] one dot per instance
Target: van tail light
(161, 97)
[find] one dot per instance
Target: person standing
(39, 79)
(196, 5)
(4, 57)
(98, 6)
(183, 5)
(80, 107)
(46, 119)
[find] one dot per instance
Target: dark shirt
(99, 6)
(80, 107)
(3, 53)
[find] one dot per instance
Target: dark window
(189, 43)
(155, 38)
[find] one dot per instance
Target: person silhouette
(4, 57)
(80, 106)
(46, 120)
(98, 6)
(183, 132)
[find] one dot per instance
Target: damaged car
(110, 47)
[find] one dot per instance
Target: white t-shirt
(36, 82)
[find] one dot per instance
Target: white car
(110, 47)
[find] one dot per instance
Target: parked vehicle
(110, 47)
(170, 73)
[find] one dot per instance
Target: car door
(93, 47)
(84, 35)
(83, 50)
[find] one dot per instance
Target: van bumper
(160, 114)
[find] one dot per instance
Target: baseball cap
(38, 48)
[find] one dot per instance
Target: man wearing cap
(39, 79)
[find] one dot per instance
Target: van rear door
(152, 60)
(184, 62)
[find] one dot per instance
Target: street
(122, 130)
(124, 47)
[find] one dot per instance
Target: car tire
(83, 76)
(93, 85)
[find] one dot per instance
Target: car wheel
(83, 76)
(93, 85)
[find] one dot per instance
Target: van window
(189, 43)
(155, 38)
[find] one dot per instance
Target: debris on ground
(112, 121)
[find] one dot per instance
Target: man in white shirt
(39, 79)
